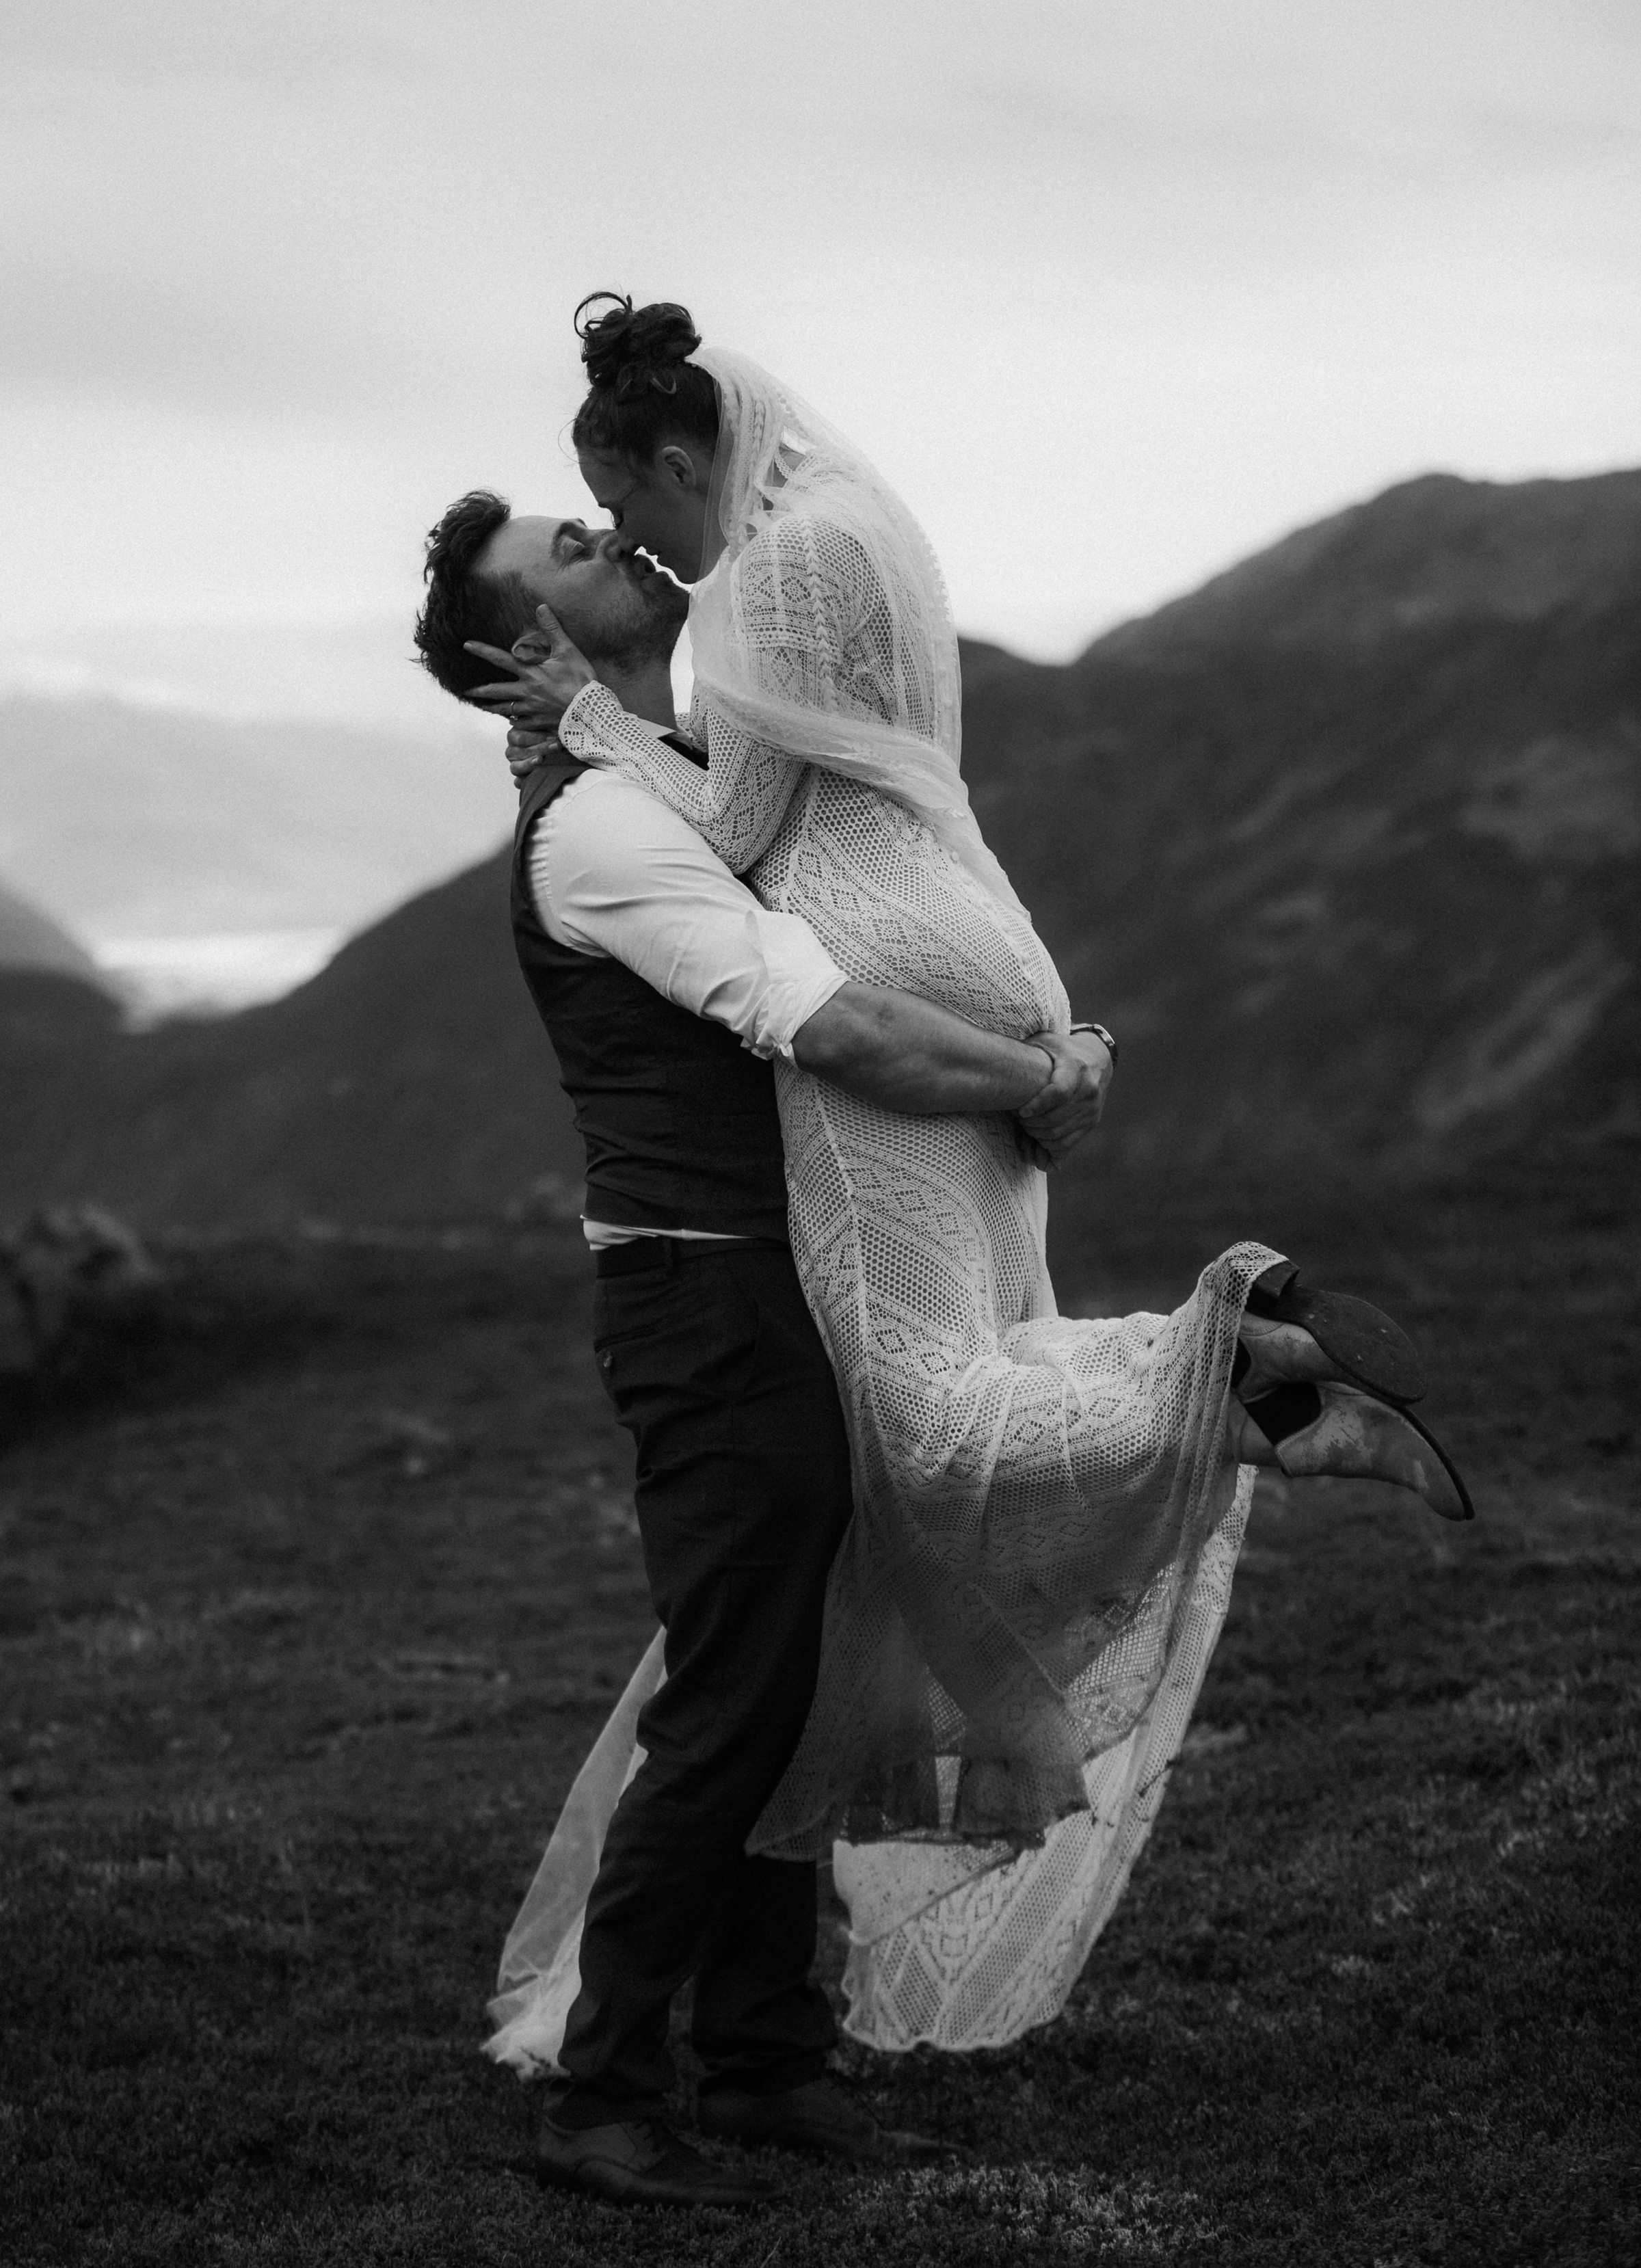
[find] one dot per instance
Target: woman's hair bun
(629, 349)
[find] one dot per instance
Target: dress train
(951, 1945)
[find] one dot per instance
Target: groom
(665, 988)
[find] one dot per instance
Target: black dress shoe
(641, 2162)
(818, 2116)
(1360, 1345)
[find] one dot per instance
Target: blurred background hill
(31, 939)
(1344, 845)
(1346, 841)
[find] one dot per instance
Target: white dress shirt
(614, 873)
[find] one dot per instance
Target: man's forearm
(907, 1054)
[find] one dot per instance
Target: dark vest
(678, 1120)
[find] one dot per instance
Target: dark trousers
(743, 1494)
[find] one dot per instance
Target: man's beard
(647, 638)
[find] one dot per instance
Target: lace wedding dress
(1047, 1516)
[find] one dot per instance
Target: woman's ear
(675, 466)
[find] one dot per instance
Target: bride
(1048, 1510)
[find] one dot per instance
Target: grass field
(313, 1592)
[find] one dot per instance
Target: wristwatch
(1102, 1035)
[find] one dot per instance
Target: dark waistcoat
(678, 1120)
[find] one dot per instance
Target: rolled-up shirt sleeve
(613, 872)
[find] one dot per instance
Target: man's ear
(674, 463)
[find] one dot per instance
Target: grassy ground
(312, 1595)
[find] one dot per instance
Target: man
(665, 988)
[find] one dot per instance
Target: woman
(1048, 1511)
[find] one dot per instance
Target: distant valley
(127, 820)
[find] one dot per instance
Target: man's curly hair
(461, 603)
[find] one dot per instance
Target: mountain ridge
(1435, 549)
(31, 939)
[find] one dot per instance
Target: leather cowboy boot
(1311, 1430)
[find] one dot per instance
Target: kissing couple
(939, 1570)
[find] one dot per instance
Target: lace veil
(866, 682)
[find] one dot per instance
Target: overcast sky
(1114, 292)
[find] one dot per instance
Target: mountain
(136, 821)
(409, 1079)
(1345, 844)
(1432, 551)
(31, 939)
(1344, 847)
